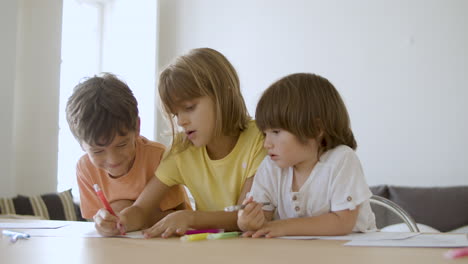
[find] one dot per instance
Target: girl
(215, 155)
(312, 177)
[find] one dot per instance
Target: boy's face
(116, 158)
(285, 149)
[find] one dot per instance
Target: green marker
(224, 235)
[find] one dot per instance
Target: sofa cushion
(383, 216)
(380, 190)
(443, 208)
(53, 206)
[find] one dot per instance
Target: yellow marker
(194, 237)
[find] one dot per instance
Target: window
(106, 36)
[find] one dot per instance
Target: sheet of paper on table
(422, 240)
(370, 236)
(33, 225)
(52, 229)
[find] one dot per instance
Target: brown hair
(203, 72)
(308, 106)
(99, 108)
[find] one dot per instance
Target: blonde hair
(100, 108)
(203, 72)
(308, 106)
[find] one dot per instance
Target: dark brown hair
(308, 106)
(101, 107)
(203, 72)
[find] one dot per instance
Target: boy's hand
(250, 218)
(106, 224)
(269, 230)
(173, 224)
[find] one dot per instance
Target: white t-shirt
(336, 183)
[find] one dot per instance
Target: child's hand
(269, 230)
(173, 224)
(106, 224)
(250, 218)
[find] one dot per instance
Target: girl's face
(116, 158)
(285, 149)
(197, 118)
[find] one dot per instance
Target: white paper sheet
(73, 229)
(32, 225)
(370, 236)
(422, 240)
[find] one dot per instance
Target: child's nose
(112, 157)
(181, 120)
(267, 144)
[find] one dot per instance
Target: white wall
(401, 67)
(30, 85)
(8, 27)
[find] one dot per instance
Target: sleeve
(89, 202)
(263, 186)
(258, 154)
(168, 171)
(349, 187)
(169, 174)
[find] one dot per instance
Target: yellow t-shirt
(215, 184)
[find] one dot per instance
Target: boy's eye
(122, 145)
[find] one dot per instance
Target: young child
(103, 116)
(215, 155)
(312, 177)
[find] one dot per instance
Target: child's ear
(320, 127)
(320, 135)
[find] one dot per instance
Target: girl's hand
(106, 224)
(250, 218)
(269, 230)
(173, 224)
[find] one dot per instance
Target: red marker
(456, 253)
(106, 204)
(103, 199)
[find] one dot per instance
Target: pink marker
(457, 253)
(200, 231)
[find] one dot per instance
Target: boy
(103, 116)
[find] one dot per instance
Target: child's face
(285, 149)
(117, 157)
(197, 118)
